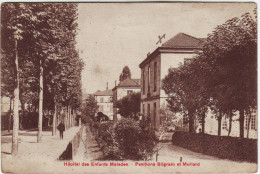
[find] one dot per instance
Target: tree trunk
(54, 121)
(191, 122)
(230, 123)
(10, 116)
(16, 108)
(248, 124)
(203, 122)
(219, 123)
(39, 137)
(68, 117)
(22, 116)
(241, 121)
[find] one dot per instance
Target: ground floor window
(253, 121)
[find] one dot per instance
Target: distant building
(105, 102)
(5, 104)
(124, 88)
(154, 68)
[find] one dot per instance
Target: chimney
(107, 86)
(115, 82)
(148, 54)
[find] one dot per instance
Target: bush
(233, 148)
(134, 142)
(125, 140)
(106, 140)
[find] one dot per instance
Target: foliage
(126, 73)
(135, 143)
(46, 32)
(101, 117)
(168, 119)
(106, 140)
(223, 147)
(125, 140)
(89, 109)
(129, 106)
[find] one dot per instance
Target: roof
(107, 92)
(182, 40)
(181, 43)
(128, 82)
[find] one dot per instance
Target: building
(105, 102)
(5, 104)
(124, 88)
(211, 125)
(154, 68)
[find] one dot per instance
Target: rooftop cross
(160, 39)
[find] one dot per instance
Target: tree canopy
(129, 106)
(126, 73)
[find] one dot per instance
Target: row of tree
(222, 77)
(40, 65)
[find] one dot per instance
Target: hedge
(233, 148)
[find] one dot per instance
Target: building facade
(123, 89)
(250, 125)
(154, 68)
(105, 102)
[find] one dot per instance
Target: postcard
(129, 87)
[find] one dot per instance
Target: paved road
(171, 153)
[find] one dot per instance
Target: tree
(126, 73)
(129, 106)
(186, 94)
(12, 30)
(230, 55)
(89, 109)
(46, 38)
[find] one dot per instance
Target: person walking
(61, 128)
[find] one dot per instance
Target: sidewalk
(28, 149)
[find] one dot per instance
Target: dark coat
(61, 127)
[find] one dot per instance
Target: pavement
(48, 150)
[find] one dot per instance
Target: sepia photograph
(129, 87)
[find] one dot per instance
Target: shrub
(233, 148)
(134, 142)
(105, 138)
(125, 140)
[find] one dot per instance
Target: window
(143, 109)
(101, 108)
(101, 99)
(143, 82)
(253, 121)
(148, 110)
(246, 121)
(129, 92)
(149, 78)
(154, 115)
(110, 99)
(224, 124)
(155, 76)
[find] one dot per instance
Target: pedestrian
(61, 128)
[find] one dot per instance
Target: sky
(113, 35)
